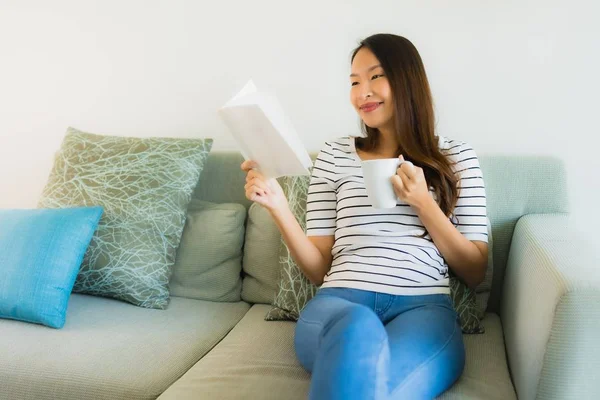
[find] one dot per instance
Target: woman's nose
(366, 92)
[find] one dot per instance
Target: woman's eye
(354, 83)
(377, 76)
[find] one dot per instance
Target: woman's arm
(467, 259)
(312, 254)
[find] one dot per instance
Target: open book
(257, 122)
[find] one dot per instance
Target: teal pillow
(40, 254)
(145, 186)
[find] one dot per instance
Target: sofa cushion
(144, 185)
(257, 361)
(261, 257)
(109, 349)
(40, 254)
(484, 288)
(209, 258)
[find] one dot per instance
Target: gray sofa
(542, 323)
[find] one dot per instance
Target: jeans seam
(423, 364)
(388, 306)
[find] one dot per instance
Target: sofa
(542, 322)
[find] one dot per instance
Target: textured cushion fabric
(516, 185)
(209, 259)
(145, 186)
(261, 257)
(294, 290)
(464, 301)
(223, 179)
(484, 288)
(486, 374)
(550, 310)
(40, 254)
(257, 361)
(109, 349)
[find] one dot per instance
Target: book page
(259, 125)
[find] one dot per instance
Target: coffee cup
(377, 175)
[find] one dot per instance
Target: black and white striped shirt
(380, 249)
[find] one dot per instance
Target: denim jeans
(366, 345)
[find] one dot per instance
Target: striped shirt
(380, 249)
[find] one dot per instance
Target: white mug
(377, 175)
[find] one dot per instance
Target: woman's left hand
(410, 185)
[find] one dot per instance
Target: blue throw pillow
(41, 252)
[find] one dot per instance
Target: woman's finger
(409, 169)
(248, 165)
(406, 181)
(253, 193)
(397, 184)
(253, 173)
(256, 182)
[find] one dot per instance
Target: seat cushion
(257, 361)
(110, 349)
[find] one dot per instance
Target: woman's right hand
(266, 192)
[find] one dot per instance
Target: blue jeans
(366, 345)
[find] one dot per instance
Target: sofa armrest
(551, 310)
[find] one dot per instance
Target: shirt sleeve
(470, 213)
(321, 199)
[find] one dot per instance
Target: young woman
(382, 324)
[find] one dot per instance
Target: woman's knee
(353, 323)
(350, 325)
(437, 373)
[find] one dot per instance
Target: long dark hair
(414, 119)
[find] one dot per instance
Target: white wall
(510, 76)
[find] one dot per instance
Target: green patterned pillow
(295, 290)
(144, 185)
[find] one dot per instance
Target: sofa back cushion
(209, 258)
(518, 185)
(261, 257)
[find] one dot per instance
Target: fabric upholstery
(223, 180)
(294, 289)
(257, 361)
(144, 185)
(209, 258)
(261, 253)
(110, 349)
(40, 254)
(517, 185)
(550, 310)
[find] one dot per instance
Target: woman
(382, 324)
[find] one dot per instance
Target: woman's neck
(388, 144)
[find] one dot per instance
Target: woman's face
(370, 93)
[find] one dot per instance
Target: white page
(260, 127)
